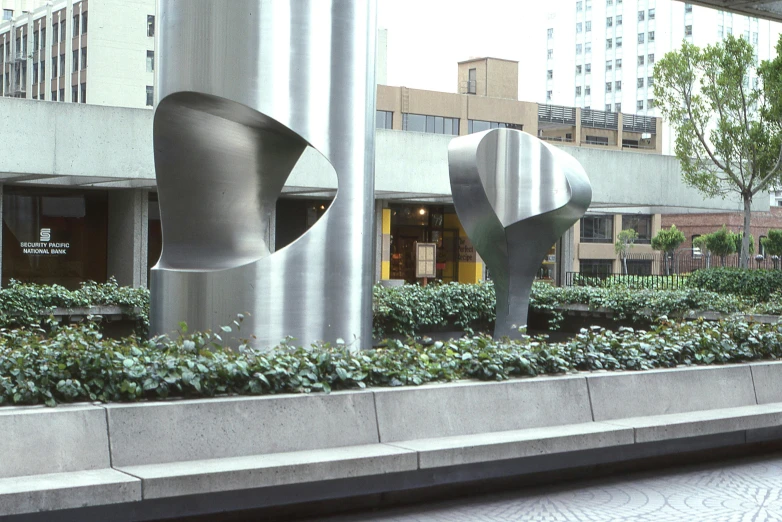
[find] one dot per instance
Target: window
(83, 57)
(588, 68)
(618, 19)
(43, 74)
(75, 60)
(640, 82)
(62, 65)
(641, 223)
(688, 8)
(150, 95)
(651, 36)
(618, 85)
(729, 30)
(84, 93)
(579, 27)
(618, 63)
(36, 40)
(596, 267)
(587, 90)
(609, 2)
(587, 26)
(650, 81)
(579, 6)
(384, 120)
(720, 32)
(151, 61)
(472, 80)
(650, 58)
(76, 25)
(84, 23)
(578, 91)
(35, 73)
(608, 107)
(610, 21)
(618, 42)
(550, 54)
(62, 95)
(62, 31)
(617, 107)
(43, 38)
(8, 14)
(650, 103)
(481, 125)
(639, 267)
(754, 38)
(651, 14)
(54, 95)
(548, 95)
(578, 48)
(588, 4)
(430, 124)
(687, 32)
(609, 65)
(641, 16)
(641, 38)
(597, 229)
(596, 140)
(54, 67)
(550, 32)
(587, 47)
(641, 60)
(578, 69)
(150, 30)
(609, 86)
(75, 94)
(639, 105)
(609, 43)
(55, 33)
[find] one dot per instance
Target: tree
(667, 240)
(624, 243)
(721, 243)
(700, 243)
(738, 239)
(728, 133)
(773, 243)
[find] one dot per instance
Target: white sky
(426, 38)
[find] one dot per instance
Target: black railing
(557, 114)
(599, 119)
(636, 123)
(652, 282)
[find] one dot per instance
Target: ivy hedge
(409, 309)
(74, 363)
(757, 284)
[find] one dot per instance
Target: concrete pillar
(566, 248)
(619, 130)
(577, 138)
(127, 242)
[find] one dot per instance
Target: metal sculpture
(515, 196)
(244, 88)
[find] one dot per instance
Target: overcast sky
(426, 38)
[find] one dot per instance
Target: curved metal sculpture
(515, 196)
(244, 88)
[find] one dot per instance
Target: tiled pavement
(749, 490)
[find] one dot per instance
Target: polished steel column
(244, 87)
(515, 196)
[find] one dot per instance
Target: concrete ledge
(149, 461)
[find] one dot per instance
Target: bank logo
(46, 235)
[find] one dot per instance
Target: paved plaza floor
(730, 491)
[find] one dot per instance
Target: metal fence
(656, 282)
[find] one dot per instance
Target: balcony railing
(599, 119)
(557, 114)
(636, 123)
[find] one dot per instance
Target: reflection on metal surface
(515, 196)
(244, 88)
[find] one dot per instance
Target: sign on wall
(425, 260)
(44, 246)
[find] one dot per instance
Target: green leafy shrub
(756, 284)
(74, 363)
(721, 243)
(773, 243)
(27, 304)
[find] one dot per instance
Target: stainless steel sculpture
(515, 196)
(244, 87)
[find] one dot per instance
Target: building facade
(100, 52)
(600, 54)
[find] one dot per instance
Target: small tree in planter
(721, 243)
(667, 241)
(624, 243)
(737, 238)
(700, 243)
(773, 245)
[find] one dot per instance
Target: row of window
(428, 124)
(600, 229)
(643, 15)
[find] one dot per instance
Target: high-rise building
(43, 51)
(600, 54)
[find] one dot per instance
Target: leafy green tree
(728, 133)
(773, 243)
(625, 242)
(700, 243)
(667, 241)
(721, 243)
(738, 239)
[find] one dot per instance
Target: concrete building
(601, 53)
(44, 51)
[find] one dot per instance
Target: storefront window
(54, 236)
